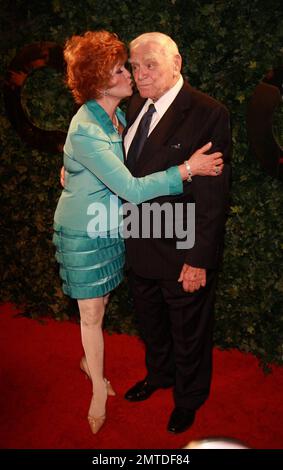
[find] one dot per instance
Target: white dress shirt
(161, 106)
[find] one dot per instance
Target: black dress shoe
(141, 391)
(180, 420)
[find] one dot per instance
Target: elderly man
(174, 289)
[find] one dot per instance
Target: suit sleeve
(211, 196)
(92, 149)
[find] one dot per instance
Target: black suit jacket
(191, 121)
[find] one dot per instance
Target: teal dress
(89, 247)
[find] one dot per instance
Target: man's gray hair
(168, 46)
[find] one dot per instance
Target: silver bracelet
(188, 168)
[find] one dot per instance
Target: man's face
(153, 71)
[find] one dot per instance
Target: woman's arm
(93, 151)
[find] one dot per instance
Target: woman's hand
(202, 164)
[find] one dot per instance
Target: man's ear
(177, 64)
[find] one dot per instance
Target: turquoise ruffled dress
(89, 247)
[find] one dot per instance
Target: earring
(105, 92)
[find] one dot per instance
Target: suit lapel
(133, 111)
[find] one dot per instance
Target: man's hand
(192, 278)
(62, 177)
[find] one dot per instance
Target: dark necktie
(139, 138)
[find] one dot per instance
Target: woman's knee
(91, 311)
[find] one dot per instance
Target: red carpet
(44, 396)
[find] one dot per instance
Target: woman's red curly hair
(90, 60)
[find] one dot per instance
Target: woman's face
(121, 84)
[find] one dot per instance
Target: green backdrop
(227, 47)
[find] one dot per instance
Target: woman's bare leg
(91, 313)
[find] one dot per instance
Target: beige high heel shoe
(97, 422)
(84, 368)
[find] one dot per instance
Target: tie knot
(151, 109)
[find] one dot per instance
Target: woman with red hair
(91, 260)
